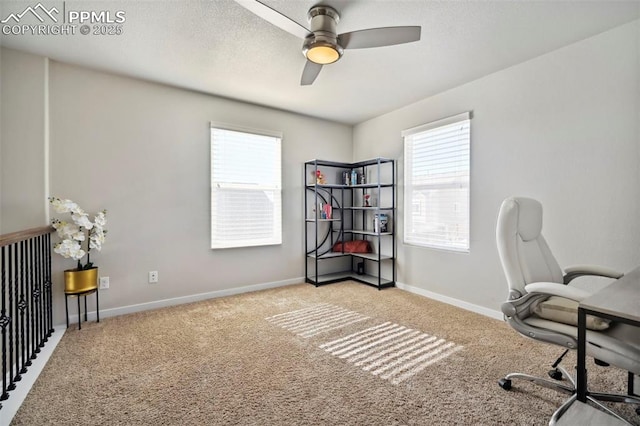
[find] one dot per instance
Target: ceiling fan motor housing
(323, 22)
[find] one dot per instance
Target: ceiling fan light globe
(322, 54)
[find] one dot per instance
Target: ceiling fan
(322, 44)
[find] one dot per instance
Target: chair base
(555, 418)
(505, 383)
(570, 388)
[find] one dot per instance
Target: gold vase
(78, 281)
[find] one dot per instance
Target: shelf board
(370, 279)
(360, 232)
(329, 255)
(371, 256)
(322, 220)
(340, 186)
(371, 162)
(326, 185)
(330, 278)
(349, 275)
(367, 208)
(334, 254)
(316, 162)
(369, 185)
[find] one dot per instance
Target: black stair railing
(26, 305)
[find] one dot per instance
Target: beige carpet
(342, 354)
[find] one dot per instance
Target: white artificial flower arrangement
(81, 229)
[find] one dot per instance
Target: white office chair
(543, 306)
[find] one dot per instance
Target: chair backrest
(524, 253)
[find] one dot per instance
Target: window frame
(426, 239)
(277, 223)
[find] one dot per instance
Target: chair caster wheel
(505, 384)
(555, 374)
(638, 411)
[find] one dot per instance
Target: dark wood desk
(619, 301)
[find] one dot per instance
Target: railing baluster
(22, 305)
(16, 296)
(42, 307)
(49, 283)
(47, 286)
(37, 291)
(13, 279)
(4, 322)
(26, 302)
(39, 335)
(32, 277)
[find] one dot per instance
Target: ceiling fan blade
(377, 37)
(311, 71)
(276, 18)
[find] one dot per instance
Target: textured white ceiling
(219, 47)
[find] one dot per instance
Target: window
(436, 184)
(246, 187)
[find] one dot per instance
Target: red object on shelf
(328, 210)
(353, 246)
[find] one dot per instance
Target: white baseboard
(451, 301)
(17, 396)
(123, 310)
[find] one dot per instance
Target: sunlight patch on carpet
(391, 351)
(316, 319)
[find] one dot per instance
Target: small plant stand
(78, 294)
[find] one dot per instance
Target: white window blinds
(436, 184)
(246, 204)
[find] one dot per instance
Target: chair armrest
(560, 290)
(576, 271)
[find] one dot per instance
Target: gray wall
(562, 128)
(22, 141)
(141, 150)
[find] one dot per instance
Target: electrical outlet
(153, 277)
(104, 283)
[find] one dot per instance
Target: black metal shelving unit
(350, 219)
